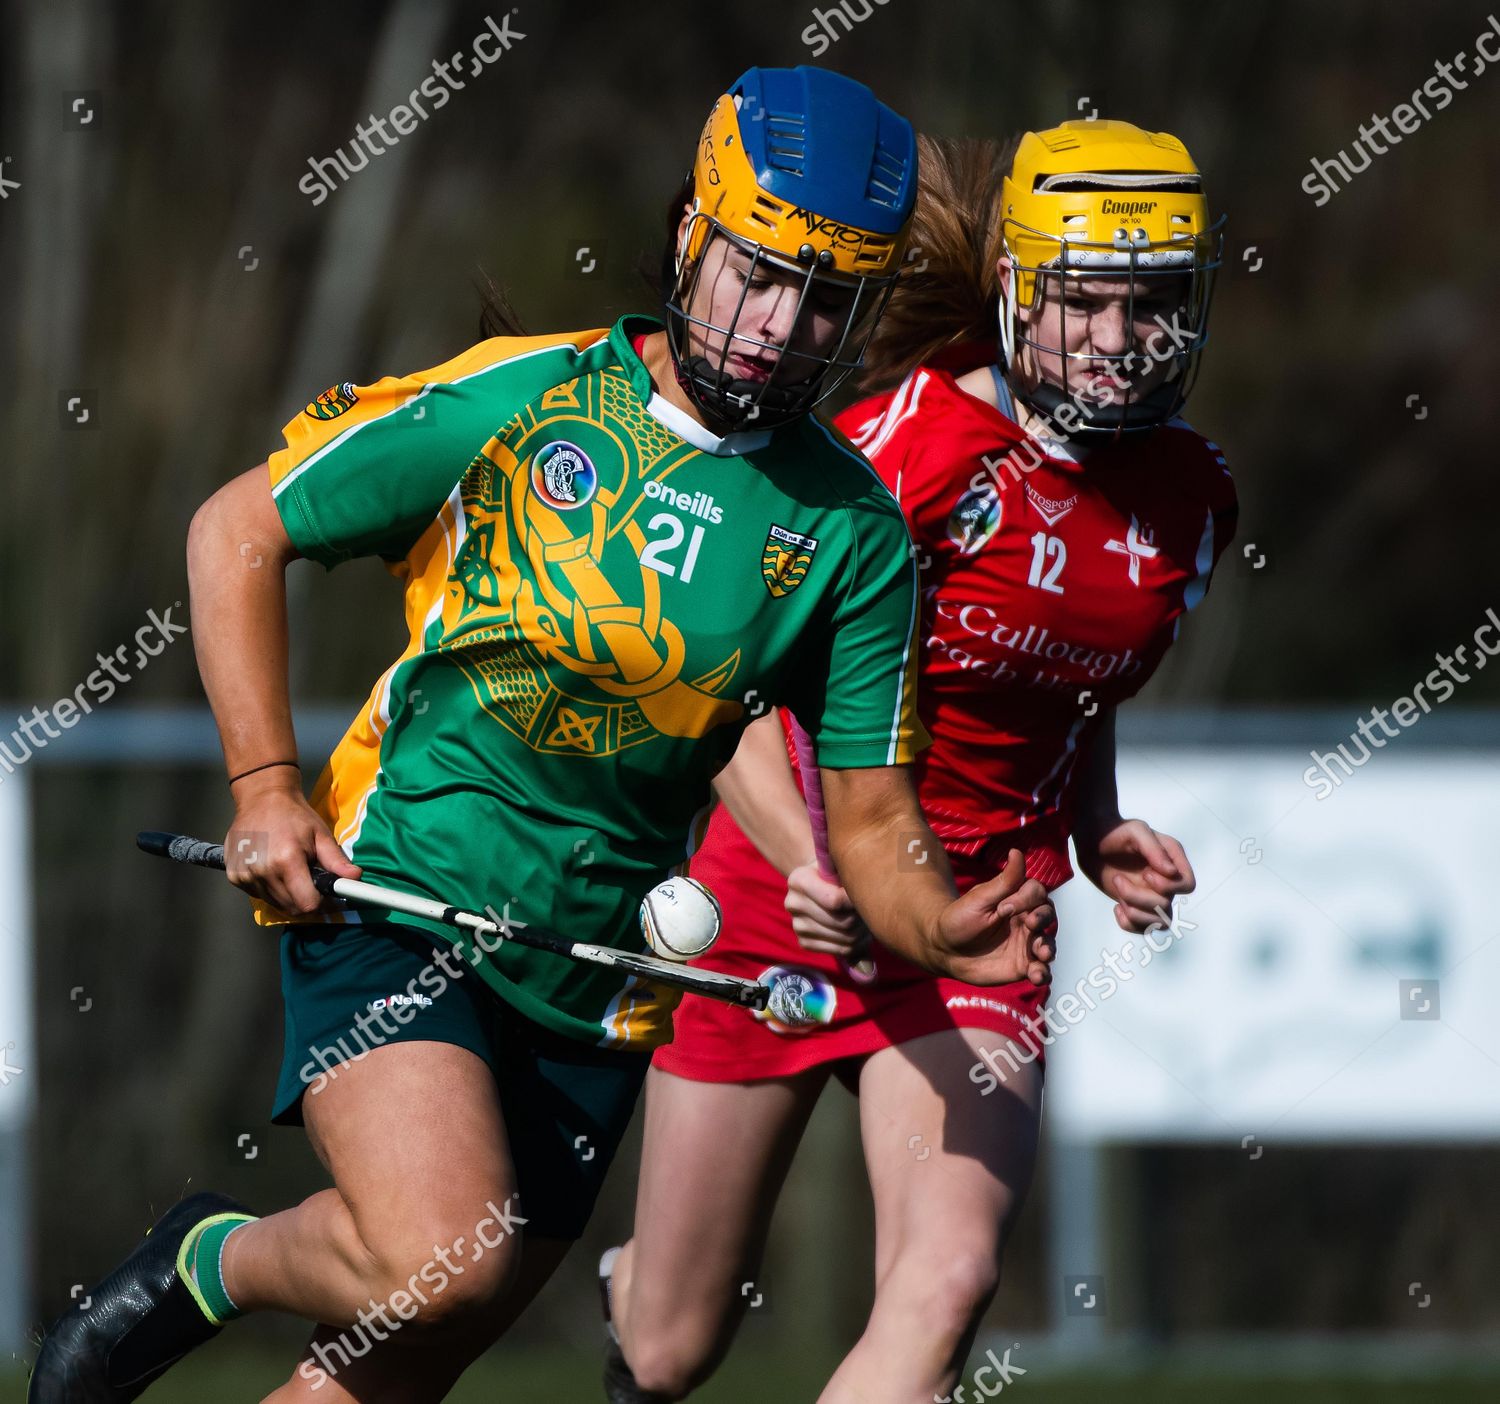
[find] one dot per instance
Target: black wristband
(267, 766)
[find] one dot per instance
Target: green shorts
(350, 989)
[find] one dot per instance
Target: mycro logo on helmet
(709, 160)
(1128, 207)
(845, 234)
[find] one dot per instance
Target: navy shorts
(566, 1104)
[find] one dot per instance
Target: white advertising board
(17, 1046)
(1334, 977)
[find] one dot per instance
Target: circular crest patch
(974, 519)
(801, 1000)
(563, 476)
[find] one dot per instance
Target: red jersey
(1051, 589)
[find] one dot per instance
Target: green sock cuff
(199, 1265)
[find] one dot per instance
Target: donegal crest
(334, 401)
(784, 560)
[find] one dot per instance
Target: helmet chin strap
(1135, 416)
(760, 404)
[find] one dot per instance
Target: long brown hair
(948, 292)
(656, 268)
(497, 316)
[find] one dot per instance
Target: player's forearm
(1098, 806)
(237, 580)
(758, 788)
(888, 860)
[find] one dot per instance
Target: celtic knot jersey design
(600, 596)
(559, 622)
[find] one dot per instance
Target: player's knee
(946, 1292)
(663, 1371)
(672, 1358)
(442, 1279)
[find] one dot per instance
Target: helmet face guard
(1189, 263)
(1094, 201)
(803, 179)
(802, 377)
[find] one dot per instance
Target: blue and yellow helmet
(812, 179)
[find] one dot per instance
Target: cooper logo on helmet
(1127, 207)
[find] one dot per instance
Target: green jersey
(601, 595)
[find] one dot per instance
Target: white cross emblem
(1138, 545)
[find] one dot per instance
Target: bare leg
(714, 1160)
(414, 1255)
(540, 1258)
(944, 1206)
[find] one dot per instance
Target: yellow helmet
(1104, 199)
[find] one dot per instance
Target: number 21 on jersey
(657, 551)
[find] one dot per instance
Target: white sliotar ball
(680, 918)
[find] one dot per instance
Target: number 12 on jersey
(657, 549)
(1045, 549)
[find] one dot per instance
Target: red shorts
(820, 1013)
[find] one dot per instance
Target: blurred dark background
(160, 267)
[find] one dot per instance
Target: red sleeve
(1224, 502)
(894, 431)
(863, 423)
(1207, 483)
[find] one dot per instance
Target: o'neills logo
(1128, 207)
(695, 504)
